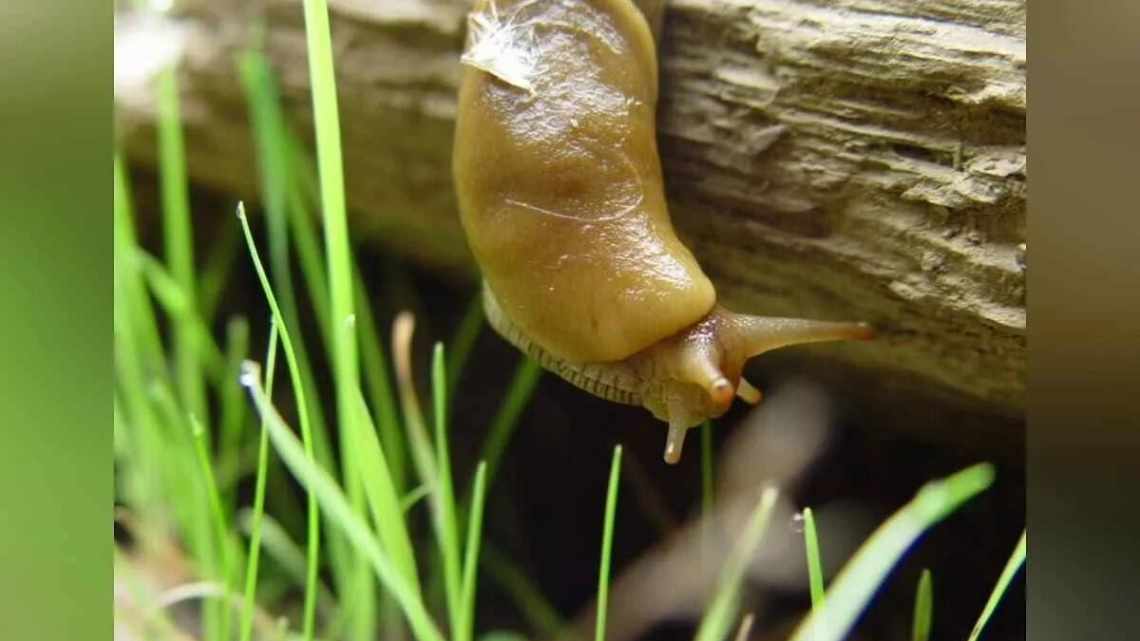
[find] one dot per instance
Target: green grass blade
(923, 608)
(224, 570)
(384, 500)
(814, 562)
(379, 386)
(607, 546)
(519, 391)
(466, 629)
(306, 240)
(312, 513)
(448, 530)
(415, 496)
(861, 577)
(138, 354)
(528, 599)
(288, 555)
(1008, 572)
(463, 342)
(178, 237)
(271, 138)
(333, 501)
(175, 301)
(121, 447)
(216, 272)
(706, 469)
(174, 187)
(145, 431)
(135, 306)
(719, 615)
(233, 407)
(253, 558)
(338, 254)
(182, 480)
(330, 167)
(745, 628)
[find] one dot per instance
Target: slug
(562, 200)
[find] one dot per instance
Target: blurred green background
(55, 320)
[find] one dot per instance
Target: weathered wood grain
(833, 159)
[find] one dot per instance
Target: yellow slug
(562, 199)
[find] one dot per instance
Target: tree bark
(848, 159)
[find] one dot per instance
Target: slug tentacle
(759, 334)
(675, 441)
(747, 392)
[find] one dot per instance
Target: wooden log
(847, 159)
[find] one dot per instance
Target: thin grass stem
(519, 391)
(449, 527)
(463, 342)
(814, 559)
(923, 608)
(607, 546)
(179, 237)
(466, 628)
(1016, 560)
(253, 558)
(719, 615)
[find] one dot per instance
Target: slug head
(694, 375)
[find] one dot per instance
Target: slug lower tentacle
(562, 199)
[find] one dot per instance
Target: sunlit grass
(178, 235)
(607, 546)
(338, 256)
(814, 559)
(253, 558)
(448, 530)
(923, 607)
(1016, 560)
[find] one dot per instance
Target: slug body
(562, 199)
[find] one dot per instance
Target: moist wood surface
(850, 159)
